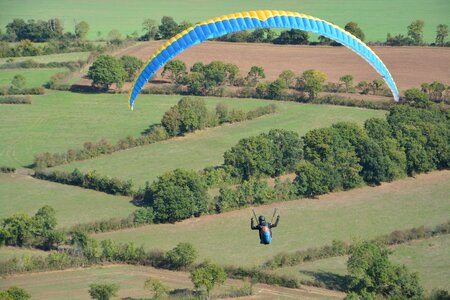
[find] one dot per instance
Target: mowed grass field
(74, 284)
(33, 77)
(362, 213)
(60, 57)
(205, 148)
(127, 17)
(61, 120)
(429, 257)
(20, 193)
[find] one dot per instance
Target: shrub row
(90, 150)
(345, 101)
(141, 216)
(32, 64)
(339, 248)
(90, 180)
(7, 169)
(15, 100)
(24, 91)
(53, 261)
(253, 192)
(261, 276)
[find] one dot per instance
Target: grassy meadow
(60, 57)
(206, 148)
(20, 193)
(360, 213)
(430, 258)
(33, 77)
(127, 17)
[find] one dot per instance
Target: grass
(74, 284)
(19, 193)
(127, 18)
(33, 77)
(427, 257)
(7, 253)
(206, 148)
(360, 213)
(61, 57)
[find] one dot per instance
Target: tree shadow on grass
(330, 280)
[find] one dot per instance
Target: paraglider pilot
(265, 229)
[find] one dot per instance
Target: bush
(103, 291)
(15, 100)
(177, 195)
(14, 293)
(90, 180)
(180, 257)
(7, 169)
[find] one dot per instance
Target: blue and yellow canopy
(219, 26)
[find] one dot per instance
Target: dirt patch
(410, 66)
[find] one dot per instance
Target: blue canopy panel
(251, 20)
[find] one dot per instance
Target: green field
(127, 17)
(33, 77)
(61, 57)
(74, 284)
(206, 148)
(19, 193)
(7, 253)
(430, 258)
(363, 213)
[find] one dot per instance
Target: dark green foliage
(105, 71)
(188, 115)
(177, 195)
(373, 274)
(180, 257)
(90, 180)
(36, 31)
(168, 27)
(438, 294)
(175, 70)
(424, 135)
(415, 32)
(276, 89)
(171, 121)
(131, 65)
(293, 37)
(14, 293)
(288, 149)
(103, 291)
(208, 276)
(39, 230)
(7, 169)
(254, 75)
(335, 151)
(417, 98)
(253, 156)
(143, 215)
(312, 178)
(354, 29)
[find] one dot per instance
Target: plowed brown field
(410, 66)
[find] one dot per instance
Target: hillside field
(74, 284)
(206, 147)
(20, 193)
(362, 213)
(33, 77)
(127, 17)
(428, 257)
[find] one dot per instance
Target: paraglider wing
(251, 20)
